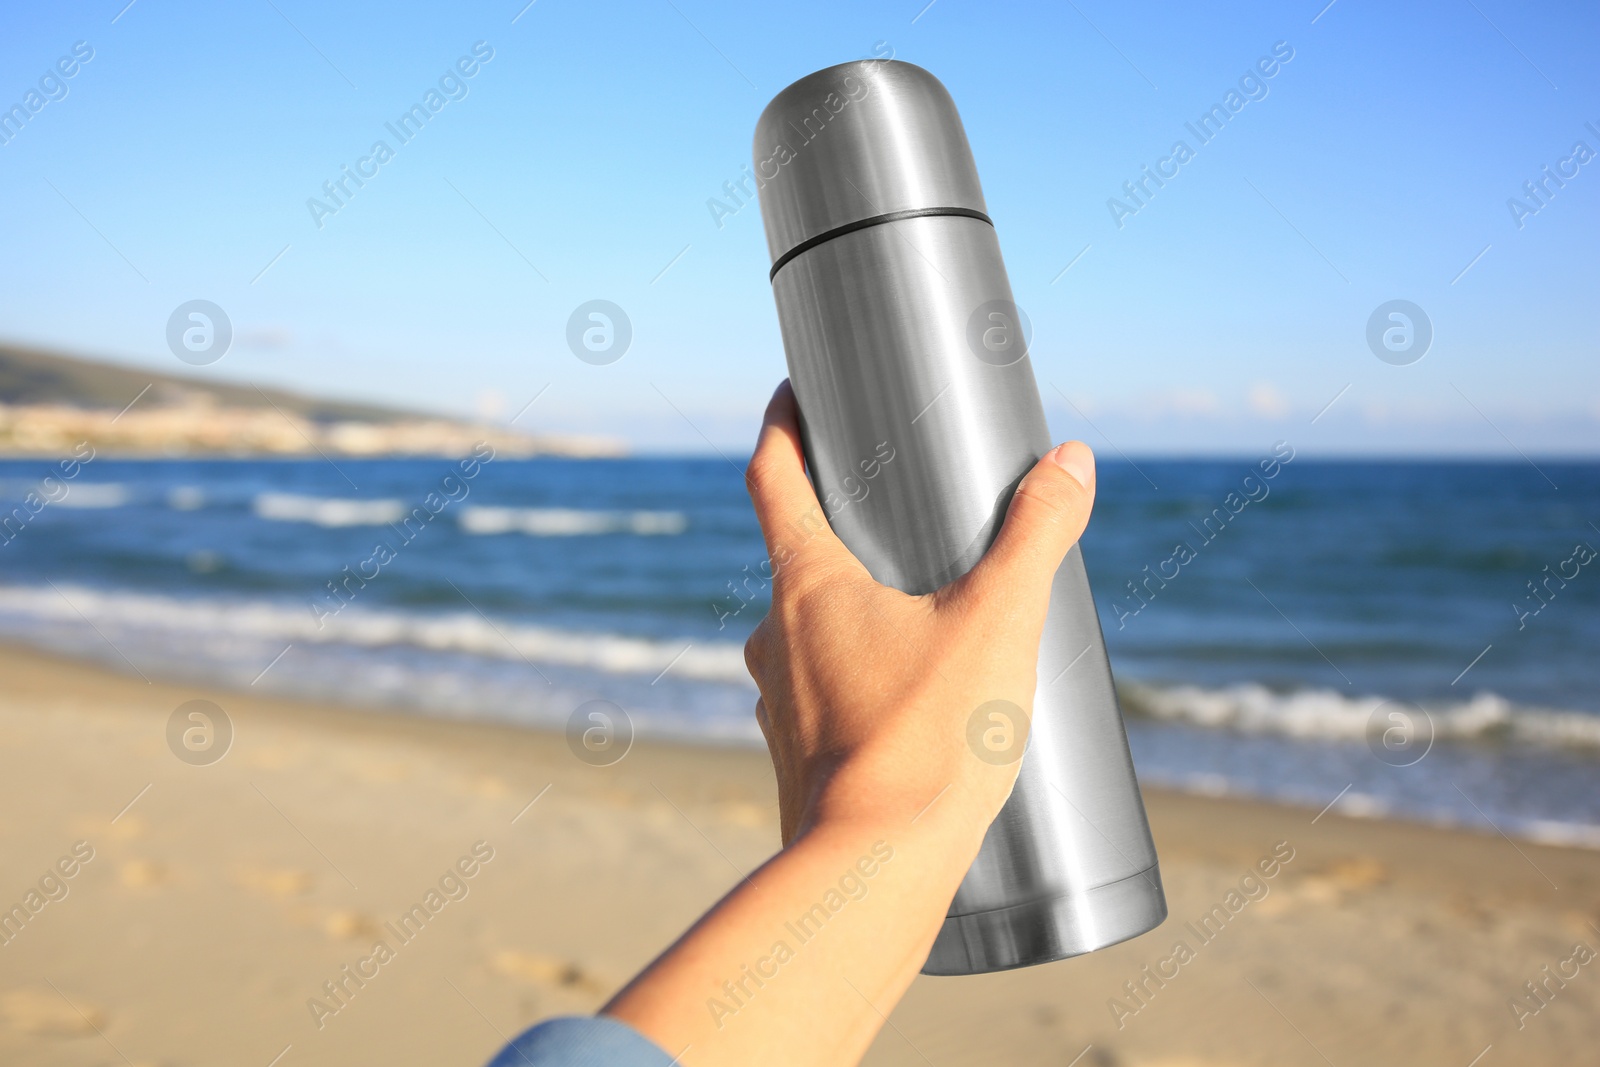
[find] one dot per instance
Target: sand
(219, 899)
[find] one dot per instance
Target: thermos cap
(851, 144)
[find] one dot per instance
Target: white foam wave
(92, 495)
(1305, 714)
(533, 522)
(569, 522)
(465, 632)
(186, 498)
(1323, 713)
(327, 511)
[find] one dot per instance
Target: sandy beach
(207, 906)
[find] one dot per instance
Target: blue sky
(1223, 315)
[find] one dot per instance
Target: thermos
(903, 341)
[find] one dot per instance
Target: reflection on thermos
(901, 333)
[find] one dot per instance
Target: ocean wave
(186, 498)
(484, 520)
(187, 621)
(180, 622)
(82, 495)
(1311, 714)
(92, 495)
(327, 511)
(568, 522)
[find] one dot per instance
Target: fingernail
(1075, 458)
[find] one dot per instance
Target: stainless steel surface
(879, 327)
(852, 142)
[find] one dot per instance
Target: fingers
(1046, 517)
(786, 505)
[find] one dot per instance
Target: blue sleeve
(582, 1041)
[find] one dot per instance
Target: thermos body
(920, 414)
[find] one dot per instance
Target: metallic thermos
(903, 341)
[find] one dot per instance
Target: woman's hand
(867, 693)
(868, 699)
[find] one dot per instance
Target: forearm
(800, 963)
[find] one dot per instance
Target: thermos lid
(858, 144)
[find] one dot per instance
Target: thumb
(1046, 517)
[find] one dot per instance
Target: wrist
(951, 794)
(939, 834)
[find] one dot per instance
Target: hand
(866, 692)
(866, 695)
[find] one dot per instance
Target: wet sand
(219, 899)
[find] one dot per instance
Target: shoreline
(1351, 803)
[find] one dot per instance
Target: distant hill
(35, 376)
(51, 404)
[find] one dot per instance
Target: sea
(1415, 640)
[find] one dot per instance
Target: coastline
(228, 896)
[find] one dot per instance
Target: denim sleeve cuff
(582, 1041)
